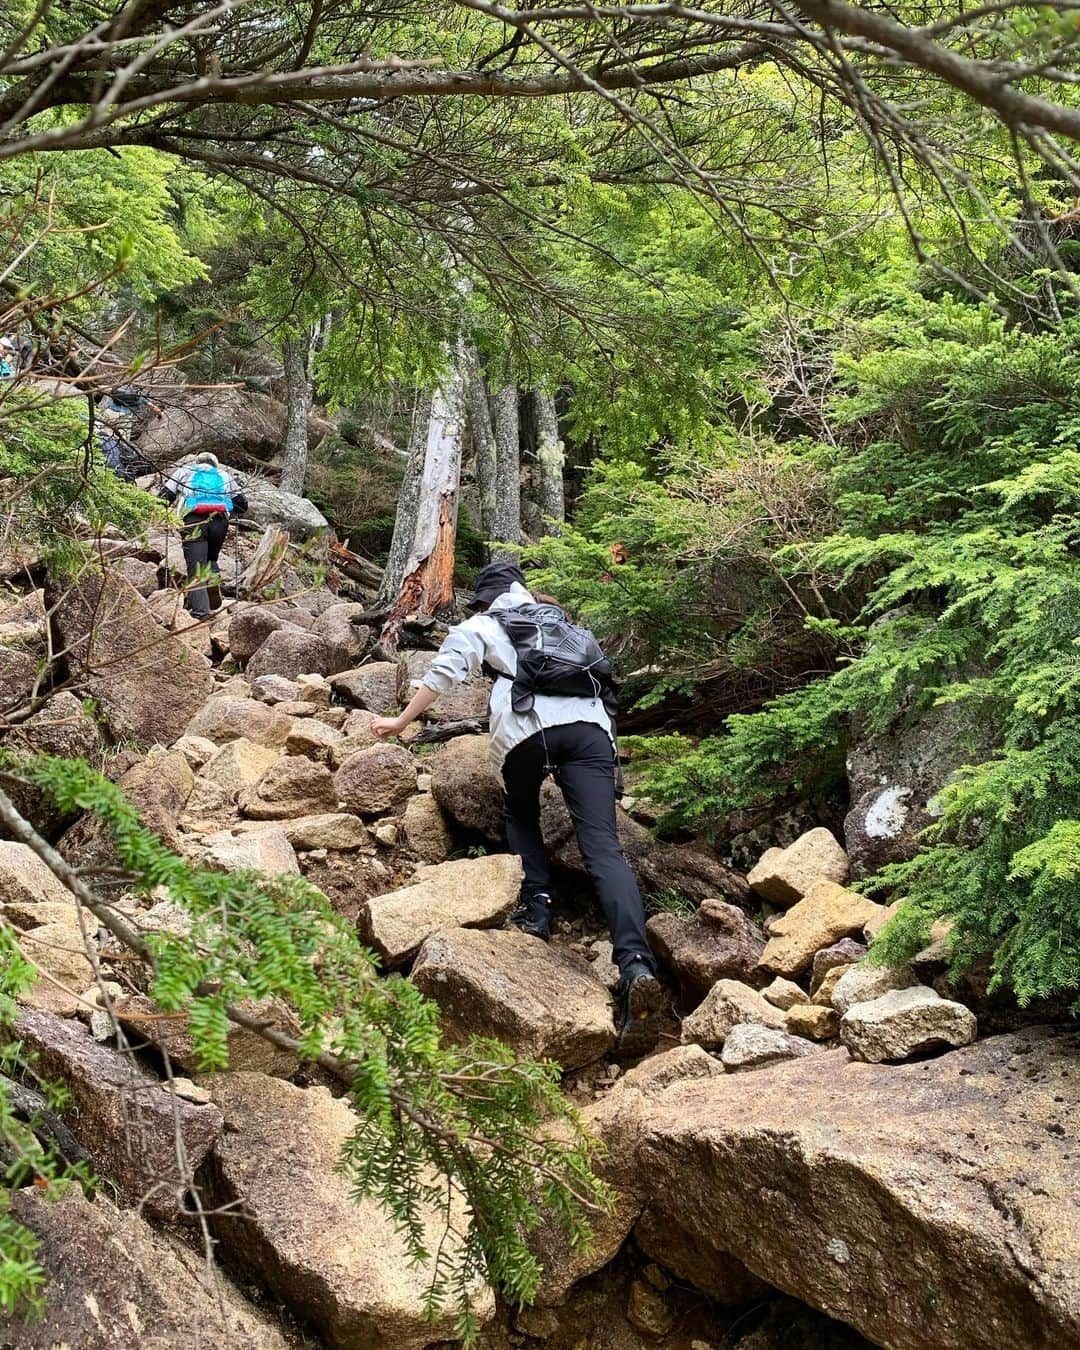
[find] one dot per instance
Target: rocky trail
(816, 1152)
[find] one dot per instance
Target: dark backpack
(554, 657)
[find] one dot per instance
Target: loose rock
(465, 784)
(267, 851)
(727, 1004)
(812, 1021)
(843, 953)
(905, 1022)
(543, 1002)
(228, 718)
(785, 875)
(750, 1046)
(864, 983)
(350, 640)
(292, 787)
(426, 829)
(468, 893)
(826, 914)
(375, 780)
(372, 687)
(716, 942)
(784, 994)
(291, 653)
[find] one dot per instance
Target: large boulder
(230, 422)
(544, 1002)
(616, 1120)
(893, 778)
(291, 652)
(784, 875)
(905, 1022)
(375, 780)
(113, 1282)
(935, 1204)
(291, 787)
(170, 1034)
(467, 786)
(350, 638)
(269, 505)
(18, 672)
(158, 787)
(63, 728)
(249, 627)
(147, 684)
(467, 893)
(59, 951)
(294, 1226)
(826, 914)
(227, 717)
(464, 703)
(716, 942)
(372, 686)
(121, 1113)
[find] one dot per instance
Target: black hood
(494, 580)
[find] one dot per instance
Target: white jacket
(481, 639)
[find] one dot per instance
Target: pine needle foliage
(958, 493)
(488, 1139)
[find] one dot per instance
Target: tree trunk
(427, 574)
(506, 526)
(408, 503)
(483, 439)
(294, 353)
(551, 457)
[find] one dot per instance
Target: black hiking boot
(638, 1000)
(533, 916)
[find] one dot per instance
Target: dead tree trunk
(295, 353)
(427, 576)
(506, 525)
(483, 439)
(551, 458)
(408, 503)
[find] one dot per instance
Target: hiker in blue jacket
(206, 496)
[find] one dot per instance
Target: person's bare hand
(385, 727)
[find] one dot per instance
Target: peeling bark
(427, 577)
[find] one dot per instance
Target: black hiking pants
(202, 538)
(581, 759)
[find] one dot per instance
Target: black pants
(202, 538)
(581, 758)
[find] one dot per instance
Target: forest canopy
(754, 327)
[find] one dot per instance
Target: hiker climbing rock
(552, 711)
(206, 496)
